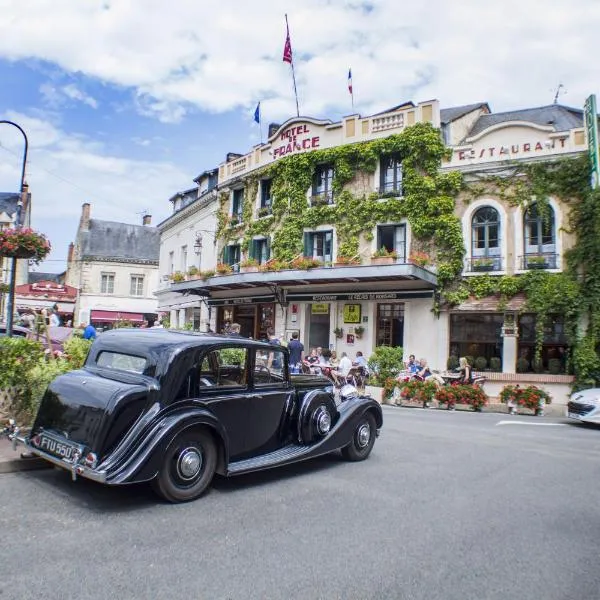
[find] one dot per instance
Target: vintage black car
(175, 408)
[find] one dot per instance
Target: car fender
(144, 461)
(315, 404)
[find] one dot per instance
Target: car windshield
(123, 362)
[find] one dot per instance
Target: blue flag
(257, 113)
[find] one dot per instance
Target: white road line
(531, 423)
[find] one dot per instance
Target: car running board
(282, 456)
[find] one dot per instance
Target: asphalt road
(449, 506)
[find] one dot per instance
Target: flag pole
(292, 64)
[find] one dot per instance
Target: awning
(109, 316)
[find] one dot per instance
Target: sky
(125, 102)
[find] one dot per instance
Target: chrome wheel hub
(324, 421)
(189, 463)
(363, 435)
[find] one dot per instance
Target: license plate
(573, 415)
(60, 448)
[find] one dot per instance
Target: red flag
(287, 49)
(350, 80)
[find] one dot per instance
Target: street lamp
(13, 271)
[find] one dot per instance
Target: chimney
(84, 222)
(70, 253)
(273, 127)
(146, 219)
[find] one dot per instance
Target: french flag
(350, 80)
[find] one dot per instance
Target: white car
(585, 406)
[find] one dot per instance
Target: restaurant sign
(405, 295)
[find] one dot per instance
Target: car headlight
(348, 391)
(329, 389)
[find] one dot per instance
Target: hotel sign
(295, 139)
(591, 129)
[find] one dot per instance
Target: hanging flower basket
(24, 243)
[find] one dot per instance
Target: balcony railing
(322, 198)
(538, 261)
(390, 190)
(484, 264)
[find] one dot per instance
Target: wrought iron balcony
(483, 264)
(539, 261)
(322, 198)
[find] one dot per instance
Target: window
(322, 192)
(260, 250)
(107, 283)
(555, 350)
(269, 368)
(184, 253)
(224, 367)
(485, 240)
(477, 335)
(390, 175)
(390, 324)
(266, 200)
(123, 362)
(137, 285)
(237, 205)
(319, 245)
(393, 239)
(212, 181)
(231, 256)
(171, 262)
(539, 238)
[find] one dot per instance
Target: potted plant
(193, 272)
(305, 262)
(24, 243)
(383, 256)
(537, 262)
(204, 275)
(273, 265)
(418, 391)
(338, 332)
(264, 211)
(177, 277)
(483, 264)
(344, 261)
(235, 220)
(224, 269)
(421, 259)
(384, 365)
(531, 397)
(250, 265)
(359, 330)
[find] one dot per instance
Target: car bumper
(583, 411)
(76, 468)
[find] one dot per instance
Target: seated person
(425, 374)
(312, 358)
(345, 365)
(325, 358)
(412, 366)
(334, 359)
(466, 373)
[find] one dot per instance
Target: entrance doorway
(318, 319)
(390, 324)
(254, 319)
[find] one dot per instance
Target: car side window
(224, 367)
(269, 368)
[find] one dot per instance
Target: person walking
(89, 332)
(296, 348)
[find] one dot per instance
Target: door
(390, 324)
(319, 326)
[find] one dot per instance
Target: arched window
(485, 232)
(539, 238)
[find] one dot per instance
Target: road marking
(531, 423)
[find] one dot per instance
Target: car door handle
(254, 396)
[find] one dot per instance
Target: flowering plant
(224, 269)
(531, 397)
(305, 262)
(420, 259)
(347, 260)
(461, 394)
(383, 252)
(419, 391)
(24, 243)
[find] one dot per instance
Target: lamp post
(13, 271)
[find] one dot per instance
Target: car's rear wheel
(363, 439)
(188, 466)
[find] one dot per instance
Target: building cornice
(187, 211)
(116, 259)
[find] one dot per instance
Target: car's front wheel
(363, 439)
(188, 466)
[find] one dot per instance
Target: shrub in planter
(177, 277)
(207, 274)
(471, 395)
(480, 363)
(538, 366)
(555, 366)
(522, 365)
(495, 364)
(224, 269)
(192, 271)
(470, 360)
(452, 363)
(304, 263)
(385, 363)
(418, 391)
(531, 397)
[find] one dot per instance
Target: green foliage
(385, 363)
(495, 364)
(232, 356)
(17, 357)
(418, 391)
(452, 363)
(480, 363)
(76, 349)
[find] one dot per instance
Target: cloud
(66, 170)
(71, 91)
(56, 97)
(186, 55)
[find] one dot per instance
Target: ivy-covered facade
(473, 211)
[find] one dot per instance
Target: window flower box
(537, 262)
(383, 256)
(249, 266)
(483, 264)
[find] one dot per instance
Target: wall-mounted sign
(319, 309)
(510, 150)
(232, 301)
(350, 339)
(352, 313)
(359, 297)
(295, 139)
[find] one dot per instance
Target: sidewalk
(11, 461)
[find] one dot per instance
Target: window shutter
(226, 254)
(252, 249)
(307, 244)
(268, 249)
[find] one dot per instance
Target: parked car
(585, 406)
(174, 408)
